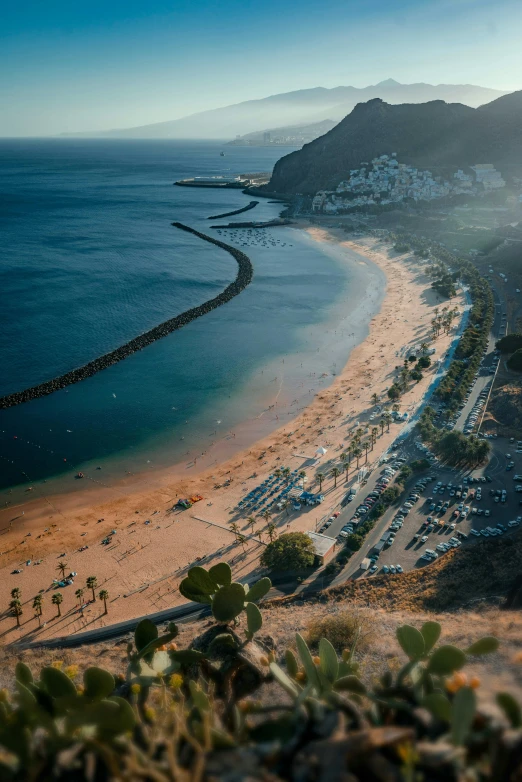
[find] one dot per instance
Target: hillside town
(386, 181)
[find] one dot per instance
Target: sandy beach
(153, 544)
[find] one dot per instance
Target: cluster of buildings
(386, 181)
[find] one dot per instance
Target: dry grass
(343, 629)
(446, 592)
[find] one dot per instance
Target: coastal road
(407, 449)
(484, 379)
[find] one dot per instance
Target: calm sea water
(88, 259)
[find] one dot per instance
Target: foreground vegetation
(206, 712)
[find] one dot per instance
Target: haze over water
(89, 260)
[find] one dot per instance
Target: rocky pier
(243, 278)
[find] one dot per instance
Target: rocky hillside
(435, 135)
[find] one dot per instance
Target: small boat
(79, 475)
(222, 154)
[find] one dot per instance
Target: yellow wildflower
(175, 681)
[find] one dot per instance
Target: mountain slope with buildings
(291, 135)
(299, 107)
(434, 135)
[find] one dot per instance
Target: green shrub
(354, 542)
(509, 343)
(419, 465)
(394, 391)
(291, 551)
(515, 361)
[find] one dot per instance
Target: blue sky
(67, 66)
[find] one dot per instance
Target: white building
(386, 181)
(487, 175)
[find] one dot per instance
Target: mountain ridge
(298, 107)
(434, 134)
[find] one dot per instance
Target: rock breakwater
(251, 205)
(243, 278)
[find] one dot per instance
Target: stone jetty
(253, 224)
(243, 278)
(251, 205)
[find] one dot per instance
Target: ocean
(89, 259)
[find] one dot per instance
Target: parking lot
(489, 505)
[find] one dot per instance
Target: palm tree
(286, 505)
(396, 407)
(335, 472)
(366, 445)
(404, 378)
(359, 433)
(235, 529)
(79, 596)
(92, 583)
(37, 607)
(344, 459)
(62, 567)
(320, 478)
(266, 515)
(277, 472)
(242, 541)
(381, 424)
(302, 475)
(271, 531)
(104, 595)
(16, 593)
(374, 434)
(387, 417)
(357, 452)
(251, 521)
(17, 610)
(375, 398)
(286, 473)
(57, 600)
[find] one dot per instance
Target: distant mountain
(291, 134)
(429, 135)
(301, 107)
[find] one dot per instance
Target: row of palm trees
(443, 320)
(357, 447)
(16, 606)
(270, 530)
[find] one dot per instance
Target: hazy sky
(67, 66)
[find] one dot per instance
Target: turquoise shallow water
(89, 259)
